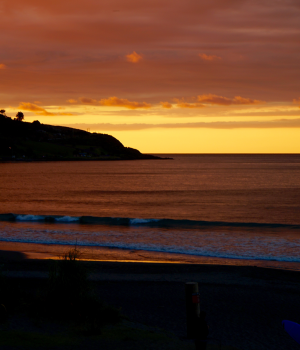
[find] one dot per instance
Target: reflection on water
(225, 188)
(220, 242)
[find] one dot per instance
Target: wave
(162, 223)
(159, 249)
(42, 218)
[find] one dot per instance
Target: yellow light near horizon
(181, 140)
(212, 140)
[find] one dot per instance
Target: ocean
(233, 209)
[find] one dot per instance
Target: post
(192, 302)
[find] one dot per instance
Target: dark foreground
(245, 305)
(23, 141)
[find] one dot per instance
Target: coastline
(145, 157)
(33, 251)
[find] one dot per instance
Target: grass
(118, 337)
(34, 339)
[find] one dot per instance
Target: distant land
(23, 141)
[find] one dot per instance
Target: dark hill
(36, 141)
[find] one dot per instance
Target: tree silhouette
(2, 111)
(19, 116)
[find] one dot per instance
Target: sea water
(238, 207)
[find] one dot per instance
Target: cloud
(297, 101)
(123, 102)
(27, 106)
(112, 102)
(166, 104)
(189, 105)
(209, 57)
(182, 104)
(69, 52)
(272, 124)
(88, 101)
(133, 57)
(224, 101)
(211, 99)
(2, 66)
(202, 101)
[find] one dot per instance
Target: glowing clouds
(297, 101)
(200, 101)
(123, 102)
(2, 66)
(222, 125)
(27, 106)
(166, 104)
(88, 101)
(182, 104)
(210, 99)
(112, 102)
(133, 57)
(224, 101)
(205, 57)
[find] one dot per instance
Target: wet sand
(52, 251)
(245, 305)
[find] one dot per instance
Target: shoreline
(79, 160)
(245, 305)
(34, 251)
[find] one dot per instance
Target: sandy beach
(245, 305)
(54, 251)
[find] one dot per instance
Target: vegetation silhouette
(37, 141)
(67, 298)
(71, 298)
(19, 116)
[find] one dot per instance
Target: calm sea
(243, 207)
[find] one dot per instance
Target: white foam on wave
(142, 221)
(29, 217)
(230, 245)
(67, 219)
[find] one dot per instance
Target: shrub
(70, 296)
(68, 278)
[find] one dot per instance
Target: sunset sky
(167, 76)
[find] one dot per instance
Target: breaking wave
(115, 221)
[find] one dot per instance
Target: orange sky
(161, 76)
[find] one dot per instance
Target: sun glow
(157, 77)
